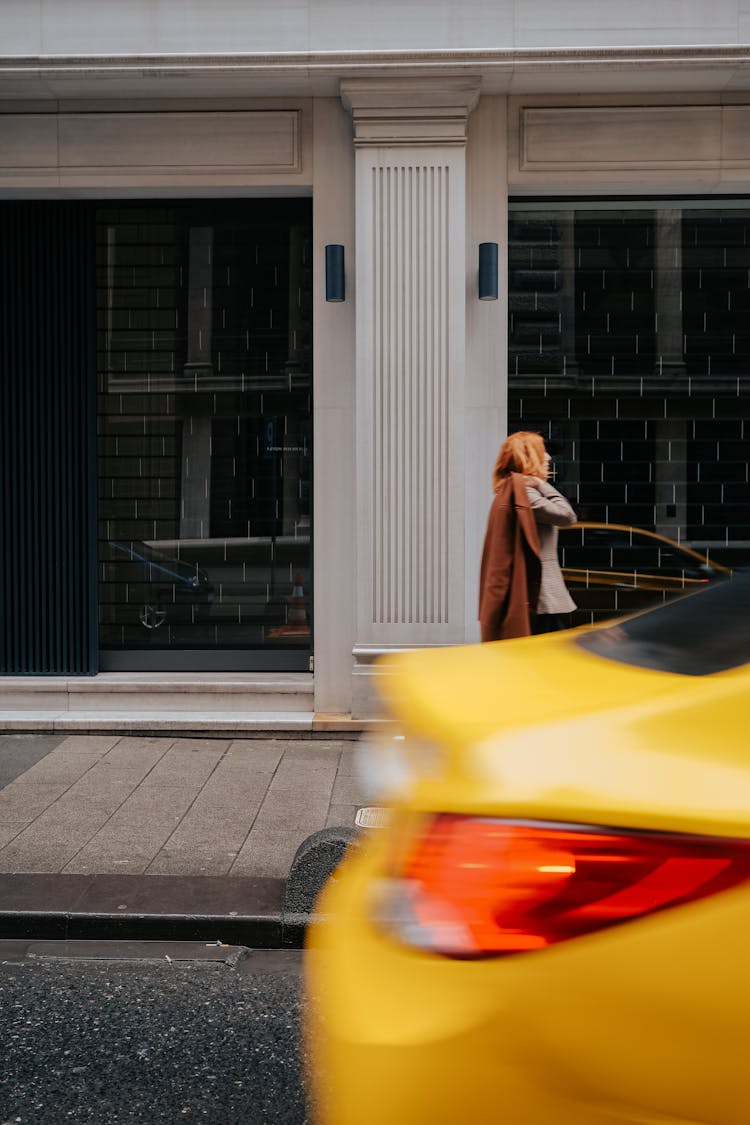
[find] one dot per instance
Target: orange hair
(522, 452)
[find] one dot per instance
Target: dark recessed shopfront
(158, 378)
(205, 427)
(629, 329)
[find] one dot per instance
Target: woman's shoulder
(502, 491)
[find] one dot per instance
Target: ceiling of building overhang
(592, 71)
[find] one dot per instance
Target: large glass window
(629, 330)
(204, 361)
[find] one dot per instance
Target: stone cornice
(410, 111)
(723, 68)
(363, 61)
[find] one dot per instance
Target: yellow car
(552, 926)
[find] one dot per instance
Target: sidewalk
(163, 837)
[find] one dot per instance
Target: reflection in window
(629, 350)
(205, 344)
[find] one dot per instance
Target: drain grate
(372, 817)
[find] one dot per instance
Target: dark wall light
(335, 283)
(487, 271)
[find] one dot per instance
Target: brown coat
(511, 569)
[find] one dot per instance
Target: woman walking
(521, 587)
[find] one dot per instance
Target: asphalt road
(159, 1040)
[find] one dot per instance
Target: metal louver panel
(47, 439)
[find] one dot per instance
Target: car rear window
(695, 635)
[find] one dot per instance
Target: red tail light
(476, 887)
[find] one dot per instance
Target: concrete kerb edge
(343, 734)
(258, 933)
(256, 928)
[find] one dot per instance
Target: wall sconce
(335, 283)
(487, 271)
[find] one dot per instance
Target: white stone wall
(614, 144)
(411, 370)
(486, 399)
(334, 374)
(142, 27)
(242, 149)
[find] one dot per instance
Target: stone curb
(228, 909)
(315, 861)
(260, 913)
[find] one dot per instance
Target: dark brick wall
(630, 352)
(204, 360)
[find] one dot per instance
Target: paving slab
(203, 831)
(21, 751)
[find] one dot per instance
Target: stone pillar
(200, 303)
(195, 482)
(670, 478)
(334, 364)
(670, 457)
(295, 515)
(568, 293)
(670, 359)
(486, 374)
(410, 172)
(195, 485)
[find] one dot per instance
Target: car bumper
(642, 1024)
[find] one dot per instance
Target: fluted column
(411, 286)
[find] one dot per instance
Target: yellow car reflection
(552, 927)
(612, 569)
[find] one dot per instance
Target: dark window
(629, 351)
(205, 428)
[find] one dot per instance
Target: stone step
(137, 693)
(161, 722)
(215, 724)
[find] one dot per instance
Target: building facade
(251, 396)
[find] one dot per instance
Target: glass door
(204, 434)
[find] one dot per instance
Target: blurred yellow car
(552, 927)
